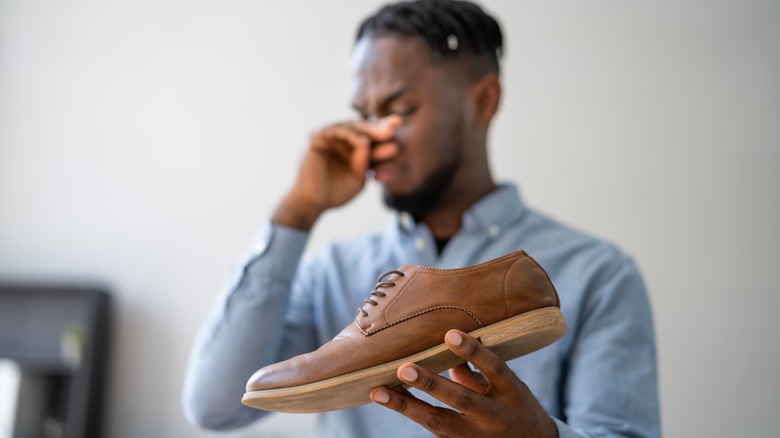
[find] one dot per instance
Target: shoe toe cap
(284, 374)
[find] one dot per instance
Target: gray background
(142, 142)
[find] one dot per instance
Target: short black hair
(450, 28)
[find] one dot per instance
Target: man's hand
(334, 168)
(495, 403)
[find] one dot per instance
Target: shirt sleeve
(242, 331)
(564, 431)
(611, 388)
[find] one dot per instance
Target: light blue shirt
(598, 380)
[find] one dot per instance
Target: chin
(429, 194)
(412, 203)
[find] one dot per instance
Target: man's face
(396, 75)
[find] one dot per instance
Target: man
(427, 88)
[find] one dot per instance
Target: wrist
(294, 213)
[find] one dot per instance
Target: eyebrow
(387, 100)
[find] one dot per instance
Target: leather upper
(417, 309)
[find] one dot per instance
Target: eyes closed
(403, 111)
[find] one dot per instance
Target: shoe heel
(523, 334)
(509, 339)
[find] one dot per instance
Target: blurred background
(142, 142)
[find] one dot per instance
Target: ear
(486, 95)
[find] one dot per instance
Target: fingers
(474, 381)
(383, 151)
(494, 369)
(380, 135)
(379, 131)
(451, 393)
(359, 142)
(340, 139)
(439, 421)
(361, 131)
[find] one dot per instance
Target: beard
(430, 193)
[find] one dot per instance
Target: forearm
(242, 333)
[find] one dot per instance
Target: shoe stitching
(398, 294)
(463, 309)
(486, 265)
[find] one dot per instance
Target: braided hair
(451, 28)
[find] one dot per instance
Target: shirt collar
(490, 214)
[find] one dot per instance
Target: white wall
(141, 142)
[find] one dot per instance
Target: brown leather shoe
(508, 303)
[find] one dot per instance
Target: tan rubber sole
(509, 339)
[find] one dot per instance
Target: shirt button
(494, 230)
(406, 220)
(419, 243)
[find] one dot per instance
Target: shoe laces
(380, 282)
